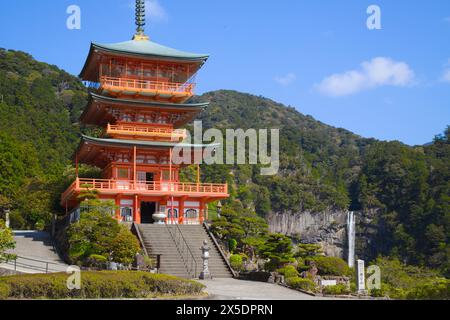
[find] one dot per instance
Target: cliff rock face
(328, 228)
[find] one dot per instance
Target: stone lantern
(7, 222)
(219, 209)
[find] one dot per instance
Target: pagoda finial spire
(140, 21)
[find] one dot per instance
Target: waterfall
(351, 235)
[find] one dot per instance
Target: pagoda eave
(96, 111)
(142, 144)
(91, 149)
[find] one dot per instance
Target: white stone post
(361, 278)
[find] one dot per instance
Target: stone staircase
(158, 241)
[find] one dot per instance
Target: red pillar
(137, 210)
(172, 211)
(134, 166)
(170, 165)
(118, 208)
(181, 211)
(202, 212)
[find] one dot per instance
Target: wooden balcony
(150, 133)
(153, 188)
(148, 88)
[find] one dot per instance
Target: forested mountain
(321, 167)
(39, 106)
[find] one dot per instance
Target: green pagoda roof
(143, 49)
(142, 103)
(147, 48)
(140, 143)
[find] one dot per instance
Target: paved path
(232, 289)
(36, 254)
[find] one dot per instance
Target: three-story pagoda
(140, 93)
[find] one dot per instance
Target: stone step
(158, 240)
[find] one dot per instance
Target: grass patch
(98, 285)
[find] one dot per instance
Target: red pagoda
(140, 93)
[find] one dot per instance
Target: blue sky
(318, 56)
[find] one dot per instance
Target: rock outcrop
(327, 228)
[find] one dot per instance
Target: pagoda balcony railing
(146, 187)
(131, 130)
(148, 85)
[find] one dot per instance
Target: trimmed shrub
(377, 293)
(336, 290)
(232, 245)
(301, 283)
(97, 285)
(96, 260)
(332, 266)
(40, 225)
(4, 291)
(288, 272)
(236, 262)
(125, 246)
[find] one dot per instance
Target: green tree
(124, 246)
(240, 224)
(278, 249)
(308, 250)
(98, 233)
(6, 241)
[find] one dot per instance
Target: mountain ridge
(323, 168)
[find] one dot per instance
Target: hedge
(288, 272)
(236, 262)
(336, 290)
(301, 283)
(331, 266)
(97, 285)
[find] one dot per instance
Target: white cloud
(286, 80)
(155, 11)
(446, 76)
(378, 72)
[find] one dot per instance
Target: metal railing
(148, 85)
(221, 252)
(21, 263)
(135, 228)
(183, 249)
